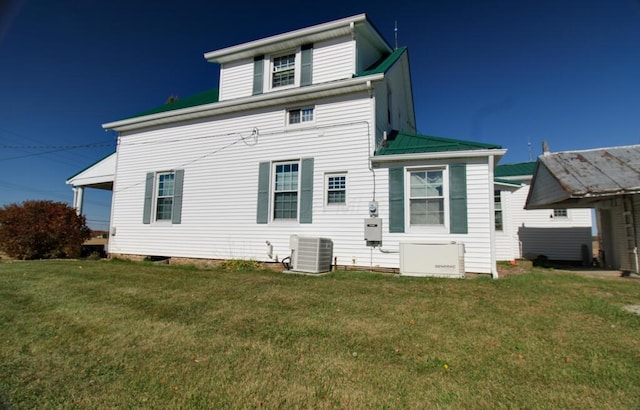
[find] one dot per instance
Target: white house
(309, 133)
(558, 234)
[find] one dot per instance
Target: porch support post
(78, 197)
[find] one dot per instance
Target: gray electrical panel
(373, 230)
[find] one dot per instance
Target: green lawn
(113, 334)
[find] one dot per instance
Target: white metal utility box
(444, 260)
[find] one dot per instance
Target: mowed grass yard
(113, 334)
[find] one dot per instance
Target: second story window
(283, 71)
(300, 115)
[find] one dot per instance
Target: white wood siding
(220, 189)
(333, 60)
(530, 233)
(549, 190)
(477, 241)
(236, 80)
(220, 183)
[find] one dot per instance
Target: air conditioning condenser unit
(311, 254)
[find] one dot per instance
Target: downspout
(492, 221)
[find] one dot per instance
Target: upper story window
(283, 70)
(427, 198)
(298, 116)
(560, 213)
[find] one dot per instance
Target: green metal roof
(383, 64)
(212, 95)
(205, 97)
(406, 143)
(512, 170)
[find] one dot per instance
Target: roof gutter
(379, 159)
(232, 53)
(246, 103)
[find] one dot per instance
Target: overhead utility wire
(59, 147)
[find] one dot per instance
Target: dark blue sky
(503, 72)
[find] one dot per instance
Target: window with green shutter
(163, 197)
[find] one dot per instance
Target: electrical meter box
(373, 229)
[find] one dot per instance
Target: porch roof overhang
(100, 175)
(403, 147)
(581, 179)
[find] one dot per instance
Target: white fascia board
(246, 103)
(437, 155)
(318, 32)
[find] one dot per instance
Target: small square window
(336, 189)
(560, 213)
(300, 115)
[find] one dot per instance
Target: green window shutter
(148, 198)
(306, 191)
(458, 198)
(176, 210)
(258, 75)
(306, 62)
(396, 199)
(263, 193)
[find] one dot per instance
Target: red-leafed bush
(42, 230)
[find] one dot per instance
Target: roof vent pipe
(545, 148)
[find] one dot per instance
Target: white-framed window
(560, 213)
(300, 115)
(427, 197)
(283, 70)
(165, 185)
(497, 205)
(285, 192)
(336, 185)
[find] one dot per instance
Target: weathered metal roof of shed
(597, 172)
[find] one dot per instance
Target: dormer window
(283, 72)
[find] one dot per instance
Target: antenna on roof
(395, 34)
